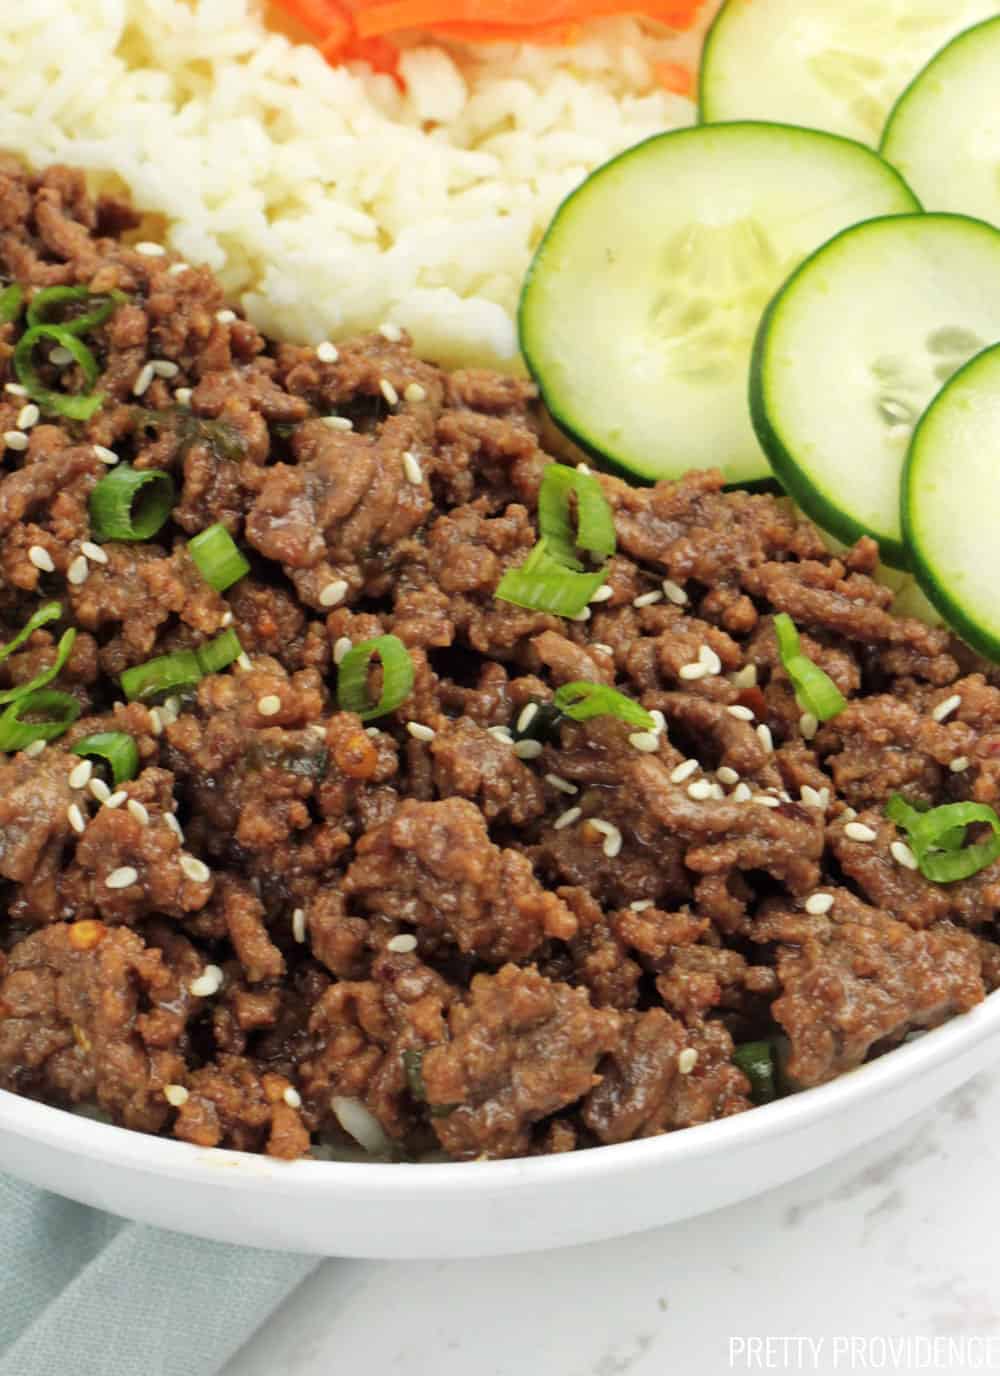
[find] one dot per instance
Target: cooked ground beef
(290, 917)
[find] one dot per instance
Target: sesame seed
(175, 269)
(99, 790)
(299, 924)
(292, 1097)
(209, 982)
(726, 775)
(811, 797)
(819, 903)
(402, 945)
(640, 905)
(28, 416)
(647, 599)
(171, 709)
(269, 705)
(646, 741)
(742, 793)
(411, 467)
(244, 661)
(327, 352)
(745, 677)
(857, 831)
(527, 750)
(419, 732)
(175, 1095)
(15, 389)
(711, 661)
(138, 811)
(41, 558)
(765, 738)
(35, 748)
(500, 733)
(174, 825)
(414, 392)
(765, 800)
(959, 764)
(582, 616)
(60, 357)
(690, 672)
(660, 721)
(105, 454)
(149, 249)
(902, 854)
(389, 392)
(195, 869)
(76, 818)
(92, 551)
(848, 814)
(122, 878)
(600, 645)
(164, 367)
(15, 439)
(391, 332)
(717, 791)
(612, 836)
(116, 799)
(808, 725)
(225, 317)
(341, 647)
(527, 716)
(338, 423)
(183, 396)
(567, 818)
(561, 785)
(334, 593)
(227, 619)
(79, 775)
(945, 709)
(674, 593)
(740, 713)
(700, 790)
(687, 1060)
(78, 571)
(603, 594)
(684, 771)
(141, 384)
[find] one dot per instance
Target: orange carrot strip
(562, 34)
(675, 77)
(320, 17)
(393, 15)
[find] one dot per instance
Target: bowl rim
(59, 1129)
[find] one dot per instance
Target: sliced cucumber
(831, 64)
(951, 497)
(853, 348)
(639, 311)
(944, 132)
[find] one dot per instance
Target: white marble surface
(898, 1240)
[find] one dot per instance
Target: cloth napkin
(86, 1294)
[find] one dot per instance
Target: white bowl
(486, 1208)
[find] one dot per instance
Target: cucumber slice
(853, 348)
(639, 311)
(942, 133)
(831, 64)
(951, 496)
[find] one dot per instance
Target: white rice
(328, 201)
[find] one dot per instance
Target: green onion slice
(543, 584)
(936, 838)
(131, 503)
(72, 406)
(51, 611)
(756, 1060)
(584, 700)
(10, 303)
(397, 677)
(219, 561)
(58, 712)
(219, 653)
(816, 691)
(49, 307)
(596, 532)
(116, 748)
(46, 676)
(174, 673)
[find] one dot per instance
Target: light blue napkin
(85, 1294)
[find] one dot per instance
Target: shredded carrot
(675, 77)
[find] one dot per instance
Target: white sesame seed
(819, 903)
(419, 732)
(165, 367)
(91, 551)
(209, 982)
(391, 332)
(175, 269)
(527, 750)
(78, 571)
(674, 593)
(640, 905)
(105, 454)
(334, 593)
(299, 924)
(765, 800)
(659, 720)
(808, 725)
(959, 764)
(35, 748)
(292, 1097)
(41, 558)
(567, 818)
(603, 594)
(500, 733)
(647, 599)
(726, 775)
(195, 869)
(183, 396)
(581, 616)
(745, 677)
(149, 249)
(711, 661)
(700, 790)
(811, 797)
(122, 878)
(338, 423)
(60, 357)
(175, 1095)
(857, 831)
(765, 738)
(269, 705)
(116, 799)
(15, 389)
(742, 793)
(327, 352)
(225, 317)
(174, 825)
(99, 790)
(171, 710)
(76, 818)
(612, 836)
(684, 771)
(691, 672)
(848, 814)
(411, 467)
(402, 945)
(79, 775)
(945, 709)
(740, 713)
(604, 649)
(389, 392)
(527, 716)
(244, 661)
(687, 1060)
(902, 854)
(561, 785)
(341, 647)
(141, 384)
(28, 416)
(138, 811)
(414, 392)
(227, 619)
(15, 439)
(646, 741)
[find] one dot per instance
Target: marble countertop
(895, 1242)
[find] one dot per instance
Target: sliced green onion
(936, 838)
(543, 584)
(596, 532)
(413, 1067)
(756, 1060)
(10, 303)
(58, 711)
(397, 677)
(73, 407)
(584, 700)
(219, 653)
(116, 748)
(174, 673)
(48, 308)
(47, 675)
(131, 503)
(51, 611)
(219, 561)
(815, 690)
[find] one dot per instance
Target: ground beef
(470, 924)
